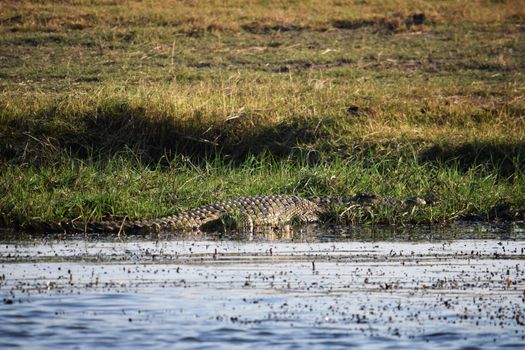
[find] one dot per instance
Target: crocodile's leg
(245, 223)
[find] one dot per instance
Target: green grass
(142, 110)
(119, 187)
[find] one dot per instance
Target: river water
(459, 288)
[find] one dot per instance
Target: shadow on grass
(102, 134)
(118, 127)
(505, 158)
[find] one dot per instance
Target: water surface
(354, 290)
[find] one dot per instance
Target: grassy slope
(141, 109)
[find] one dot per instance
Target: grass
(121, 187)
(141, 109)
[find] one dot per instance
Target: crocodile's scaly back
(246, 212)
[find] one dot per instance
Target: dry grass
(195, 16)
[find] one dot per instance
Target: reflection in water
(341, 288)
(317, 233)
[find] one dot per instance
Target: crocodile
(244, 214)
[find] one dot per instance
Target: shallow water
(306, 291)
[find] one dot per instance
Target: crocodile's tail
(122, 226)
(92, 227)
(175, 222)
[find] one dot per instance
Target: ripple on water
(463, 294)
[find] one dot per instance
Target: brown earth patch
(398, 22)
(259, 28)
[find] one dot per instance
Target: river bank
(139, 111)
